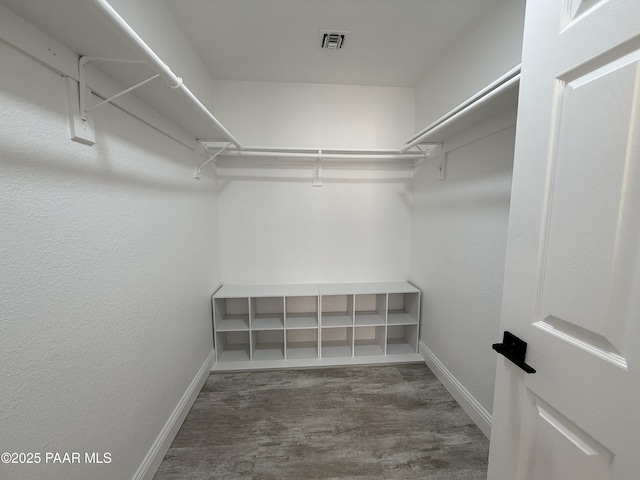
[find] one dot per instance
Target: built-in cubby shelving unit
(306, 325)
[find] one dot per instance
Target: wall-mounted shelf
(292, 326)
(251, 159)
(499, 96)
(102, 33)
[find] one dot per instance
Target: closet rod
(158, 65)
(449, 119)
(253, 148)
(325, 155)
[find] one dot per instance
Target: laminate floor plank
(353, 423)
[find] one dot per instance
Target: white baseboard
(156, 453)
(468, 402)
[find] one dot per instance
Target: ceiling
(390, 42)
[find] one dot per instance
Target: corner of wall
(480, 416)
(160, 446)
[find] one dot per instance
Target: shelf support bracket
(83, 83)
(433, 151)
(317, 171)
(212, 158)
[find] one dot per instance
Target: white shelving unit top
(256, 291)
(311, 290)
(366, 288)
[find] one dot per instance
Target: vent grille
(332, 40)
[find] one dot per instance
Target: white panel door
(572, 279)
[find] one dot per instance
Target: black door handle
(515, 350)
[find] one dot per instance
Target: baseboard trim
(480, 416)
(156, 453)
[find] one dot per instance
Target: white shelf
(336, 341)
(234, 323)
(301, 320)
(401, 318)
(498, 97)
(291, 326)
(256, 291)
(366, 288)
(368, 318)
(302, 350)
(333, 319)
(235, 353)
(368, 348)
(402, 339)
(269, 351)
(268, 322)
(335, 349)
(399, 348)
(101, 36)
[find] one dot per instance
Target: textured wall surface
(108, 256)
(458, 247)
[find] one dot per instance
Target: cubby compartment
(301, 312)
(404, 309)
(267, 313)
(267, 345)
(301, 343)
(370, 309)
(231, 314)
(369, 340)
(233, 346)
(337, 310)
(402, 339)
(336, 342)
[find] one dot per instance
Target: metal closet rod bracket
(212, 158)
(82, 62)
(431, 152)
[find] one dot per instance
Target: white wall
(108, 257)
(478, 58)
(459, 225)
(458, 247)
(283, 230)
(316, 115)
(278, 227)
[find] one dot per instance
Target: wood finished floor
(387, 423)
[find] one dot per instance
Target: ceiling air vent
(332, 40)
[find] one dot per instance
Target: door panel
(562, 449)
(572, 276)
(590, 214)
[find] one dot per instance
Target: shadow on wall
(35, 140)
(60, 172)
(467, 197)
(224, 180)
